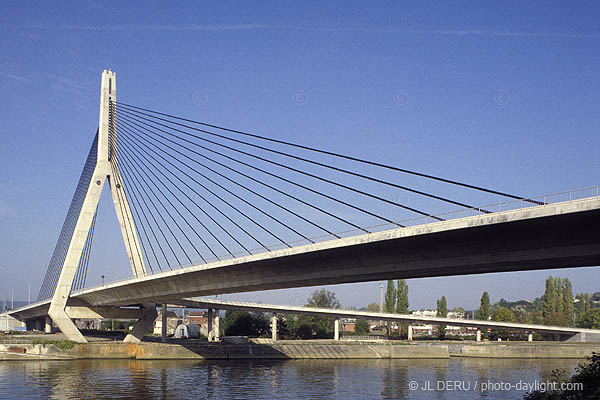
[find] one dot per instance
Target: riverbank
(292, 349)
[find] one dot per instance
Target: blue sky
(503, 95)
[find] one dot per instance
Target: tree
(484, 311)
(402, 297)
(503, 314)
(362, 326)
(311, 327)
(550, 298)
(587, 378)
(568, 307)
(558, 302)
(244, 323)
(324, 299)
(373, 307)
(583, 303)
(442, 311)
(442, 307)
(390, 298)
(590, 319)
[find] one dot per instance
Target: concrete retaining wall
(263, 349)
(296, 349)
(523, 350)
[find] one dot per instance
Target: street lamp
(102, 280)
(381, 297)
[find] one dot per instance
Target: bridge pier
(209, 325)
(274, 327)
(213, 326)
(530, 337)
(410, 333)
(336, 329)
(164, 322)
(143, 325)
(48, 325)
(478, 335)
(217, 326)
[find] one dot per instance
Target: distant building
(200, 318)
(423, 329)
(348, 324)
(424, 313)
(197, 318)
(173, 320)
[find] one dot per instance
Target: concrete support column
(530, 337)
(209, 326)
(336, 329)
(48, 326)
(217, 327)
(410, 333)
(274, 327)
(478, 336)
(143, 325)
(164, 323)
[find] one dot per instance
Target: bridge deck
(540, 237)
(404, 318)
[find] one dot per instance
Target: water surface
(458, 378)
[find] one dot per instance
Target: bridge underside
(544, 237)
(558, 241)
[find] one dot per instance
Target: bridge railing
(511, 205)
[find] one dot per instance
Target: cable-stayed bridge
(206, 210)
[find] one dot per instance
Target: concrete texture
(296, 349)
(580, 333)
(550, 236)
(522, 350)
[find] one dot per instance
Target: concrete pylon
(274, 327)
(48, 325)
(209, 325)
(106, 168)
(164, 322)
(217, 327)
(143, 325)
(336, 329)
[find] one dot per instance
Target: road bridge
(568, 333)
(207, 210)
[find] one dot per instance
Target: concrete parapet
(522, 350)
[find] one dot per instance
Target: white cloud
(14, 77)
(249, 27)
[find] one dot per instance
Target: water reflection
(251, 379)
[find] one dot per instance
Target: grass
(60, 344)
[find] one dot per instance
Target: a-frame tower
(106, 168)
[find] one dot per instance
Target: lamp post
(380, 300)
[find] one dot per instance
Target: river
(455, 378)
